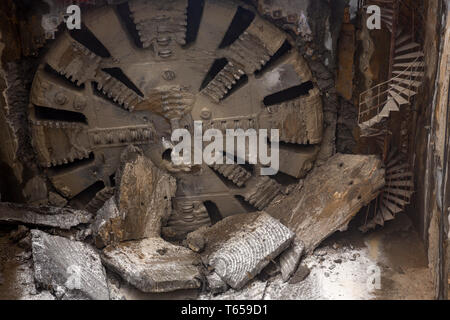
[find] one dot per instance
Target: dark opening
(167, 155)
(124, 12)
(242, 19)
(88, 39)
(213, 212)
(10, 189)
(285, 48)
(288, 94)
(44, 113)
(119, 75)
(55, 73)
(216, 67)
(194, 17)
(83, 198)
(112, 180)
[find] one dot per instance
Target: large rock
(240, 246)
(70, 269)
(290, 259)
(107, 226)
(144, 197)
(154, 265)
(142, 203)
(63, 218)
(332, 194)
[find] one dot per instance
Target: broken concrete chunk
(215, 284)
(144, 198)
(240, 246)
(63, 218)
(331, 196)
(70, 269)
(290, 259)
(154, 265)
(297, 161)
(107, 226)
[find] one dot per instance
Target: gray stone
(107, 226)
(154, 265)
(70, 269)
(290, 259)
(240, 246)
(215, 284)
(63, 218)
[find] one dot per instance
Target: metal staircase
(406, 70)
(396, 194)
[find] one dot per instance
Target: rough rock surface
(144, 198)
(107, 226)
(290, 259)
(70, 269)
(63, 218)
(240, 246)
(215, 284)
(140, 206)
(154, 265)
(331, 196)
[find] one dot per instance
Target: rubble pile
(75, 254)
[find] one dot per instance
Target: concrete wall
(430, 147)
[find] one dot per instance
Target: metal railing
(372, 101)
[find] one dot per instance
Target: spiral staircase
(406, 72)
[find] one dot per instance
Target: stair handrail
(412, 68)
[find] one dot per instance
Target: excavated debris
(129, 217)
(154, 265)
(290, 259)
(145, 195)
(130, 222)
(69, 269)
(331, 196)
(62, 218)
(140, 206)
(240, 246)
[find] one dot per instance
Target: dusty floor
(346, 267)
(389, 263)
(16, 272)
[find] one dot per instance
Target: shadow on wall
(10, 190)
